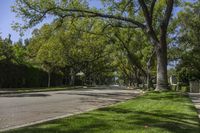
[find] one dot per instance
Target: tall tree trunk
(72, 77)
(161, 49)
(90, 80)
(149, 66)
(148, 79)
(161, 53)
(137, 78)
(160, 44)
(93, 80)
(49, 79)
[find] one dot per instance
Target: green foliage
(188, 68)
(132, 55)
(73, 46)
(16, 70)
(18, 76)
(20, 53)
(185, 89)
(150, 17)
(6, 51)
(51, 55)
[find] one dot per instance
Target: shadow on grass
(174, 123)
(168, 120)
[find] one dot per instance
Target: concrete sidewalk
(195, 97)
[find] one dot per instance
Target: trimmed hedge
(18, 76)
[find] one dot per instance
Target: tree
(154, 21)
(77, 50)
(20, 53)
(6, 51)
(128, 45)
(85, 50)
(188, 50)
(50, 57)
(46, 51)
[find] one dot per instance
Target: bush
(174, 87)
(185, 89)
(18, 76)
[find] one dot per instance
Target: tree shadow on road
(26, 95)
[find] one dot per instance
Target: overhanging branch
(87, 13)
(64, 12)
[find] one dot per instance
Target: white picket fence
(195, 86)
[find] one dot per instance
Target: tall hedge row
(18, 76)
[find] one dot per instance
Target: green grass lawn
(166, 112)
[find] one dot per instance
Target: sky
(7, 18)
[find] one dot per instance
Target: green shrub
(184, 88)
(18, 76)
(174, 87)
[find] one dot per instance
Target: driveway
(18, 110)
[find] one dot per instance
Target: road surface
(18, 110)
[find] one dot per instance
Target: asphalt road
(18, 110)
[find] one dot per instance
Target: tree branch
(80, 13)
(132, 57)
(152, 8)
(166, 19)
(87, 13)
(145, 12)
(148, 18)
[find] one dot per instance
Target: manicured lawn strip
(166, 112)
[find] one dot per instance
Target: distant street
(18, 110)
